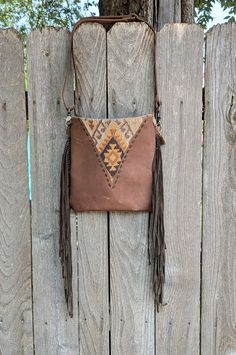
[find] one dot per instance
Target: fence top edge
(179, 25)
(13, 31)
(221, 27)
(129, 25)
(90, 25)
(167, 26)
(144, 25)
(48, 29)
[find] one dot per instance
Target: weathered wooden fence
(113, 301)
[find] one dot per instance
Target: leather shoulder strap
(103, 20)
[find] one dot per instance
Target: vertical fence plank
(219, 192)
(16, 333)
(48, 61)
(179, 73)
(90, 60)
(130, 93)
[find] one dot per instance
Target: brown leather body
(90, 188)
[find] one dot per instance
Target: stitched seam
(128, 150)
(96, 152)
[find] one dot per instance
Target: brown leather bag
(113, 165)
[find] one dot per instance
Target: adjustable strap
(103, 20)
(69, 109)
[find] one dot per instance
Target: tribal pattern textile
(112, 139)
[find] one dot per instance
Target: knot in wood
(231, 121)
(232, 118)
(46, 53)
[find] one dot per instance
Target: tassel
(156, 244)
(65, 231)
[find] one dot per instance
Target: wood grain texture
(90, 59)
(219, 194)
(130, 93)
(48, 61)
(169, 11)
(179, 73)
(16, 332)
(89, 48)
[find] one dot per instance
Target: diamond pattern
(112, 156)
(112, 139)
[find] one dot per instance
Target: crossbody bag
(113, 165)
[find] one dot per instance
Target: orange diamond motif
(112, 157)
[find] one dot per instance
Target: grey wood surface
(48, 61)
(169, 11)
(90, 60)
(109, 252)
(130, 93)
(179, 73)
(219, 194)
(16, 333)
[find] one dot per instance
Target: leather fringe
(65, 230)
(156, 242)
